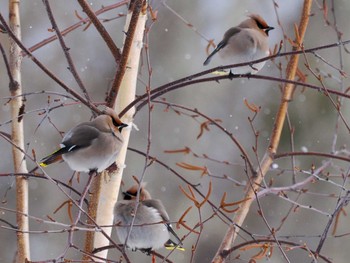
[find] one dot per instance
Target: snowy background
(175, 52)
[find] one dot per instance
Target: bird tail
(207, 61)
(52, 158)
(171, 245)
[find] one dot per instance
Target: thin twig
(284, 242)
(65, 49)
(341, 84)
(99, 229)
(45, 69)
(191, 26)
(157, 92)
(267, 160)
(344, 201)
(36, 176)
(327, 155)
(223, 129)
(75, 26)
(101, 29)
(189, 80)
(193, 186)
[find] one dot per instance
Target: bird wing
(157, 204)
(79, 137)
(228, 34)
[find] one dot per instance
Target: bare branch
(17, 135)
(274, 141)
(75, 26)
(46, 70)
(135, 8)
(101, 29)
(65, 49)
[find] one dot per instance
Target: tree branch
(231, 233)
(135, 8)
(101, 29)
(75, 26)
(17, 135)
(105, 192)
(43, 68)
(65, 49)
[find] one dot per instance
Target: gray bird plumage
(151, 228)
(246, 42)
(92, 145)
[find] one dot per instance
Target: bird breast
(245, 46)
(147, 231)
(100, 154)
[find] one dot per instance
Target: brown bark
(106, 186)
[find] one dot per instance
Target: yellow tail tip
(172, 247)
(43, 164)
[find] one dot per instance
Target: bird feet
(147, 251)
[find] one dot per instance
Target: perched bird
(246, 42)
(150, 222)
(92, 145)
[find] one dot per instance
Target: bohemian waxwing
(246, 42)
(92, 145)
(151, 228)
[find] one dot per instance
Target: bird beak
(268, 29)
(121, 126)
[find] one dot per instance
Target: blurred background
(176, 51)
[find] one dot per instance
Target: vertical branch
(15, 60)
(135, 8)
(106, 187)
(232, 232)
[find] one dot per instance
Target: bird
(151, 227)
(92, 145)
(246, 42)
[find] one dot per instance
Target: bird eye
(115, 123)
(127, 196)
(119, 125)
(261, 26)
